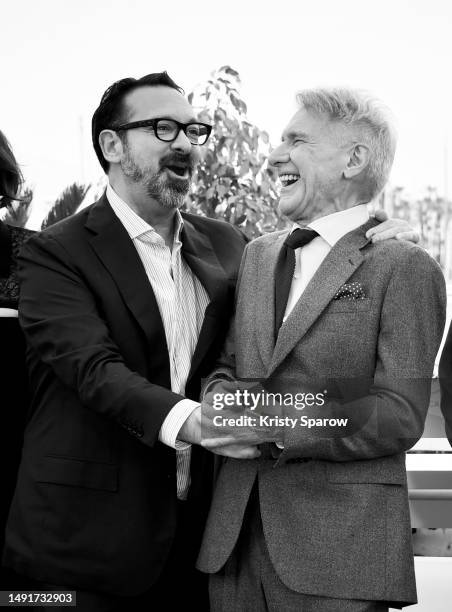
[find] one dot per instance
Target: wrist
(191, 429)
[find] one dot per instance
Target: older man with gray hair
(318, 520)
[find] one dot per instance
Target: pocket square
(350, 291)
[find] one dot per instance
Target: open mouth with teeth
(288, 179)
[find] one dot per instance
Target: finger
(410, 236)
(395, 225)
(211, 443)
(229, 447)
(268, 434)
(381, 215)
(384, 235)
(236, 451)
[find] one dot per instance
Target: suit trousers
(248, 581)
(178, 587)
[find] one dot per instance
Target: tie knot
(300, 237)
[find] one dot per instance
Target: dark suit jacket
(445, 381)
(337, 525)
(95, 501)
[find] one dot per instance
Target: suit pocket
(347, 305)
(70, 471)
(386, 470)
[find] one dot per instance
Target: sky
(58, 56)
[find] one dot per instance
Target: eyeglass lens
(168, 130)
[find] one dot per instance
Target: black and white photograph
(225, 306)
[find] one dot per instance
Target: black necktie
(285, 268)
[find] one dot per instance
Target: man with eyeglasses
(125, 307)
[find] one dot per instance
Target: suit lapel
(265, 310)
(198, 252)
(340, 263)
(115, 249)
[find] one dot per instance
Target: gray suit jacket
(337, 525)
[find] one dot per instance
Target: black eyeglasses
(168, 129)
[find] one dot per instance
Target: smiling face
(163, 169)
(310, 161)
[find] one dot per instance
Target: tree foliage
(18, 212)
(66, 204)
(429, 213)
(233, 181)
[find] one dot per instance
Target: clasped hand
(226, 424)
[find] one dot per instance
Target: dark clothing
(11, 242)
(13, 378)
(179, 586)
(95, 504)
(445, 381)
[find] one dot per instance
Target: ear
(111, 146)
(358, 160)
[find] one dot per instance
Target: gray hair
(358, 109)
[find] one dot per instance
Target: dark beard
(168, 193)
(159, 186)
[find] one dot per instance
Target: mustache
(187, 160)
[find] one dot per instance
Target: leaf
(66, 204)
(238, 104)
(18, 213)
(221, 208)
(210, 191)
(231, 71)
(221, 190)
(265, 137)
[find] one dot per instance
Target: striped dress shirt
(182, 300)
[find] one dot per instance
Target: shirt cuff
(8, 312)
(175, 418)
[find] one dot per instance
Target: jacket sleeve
(390, 418)
(64, 328)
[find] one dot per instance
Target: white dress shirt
(9, 312)
(330, 228)
(182, 300)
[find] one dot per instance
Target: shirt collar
(133, 223)
(332, 227)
